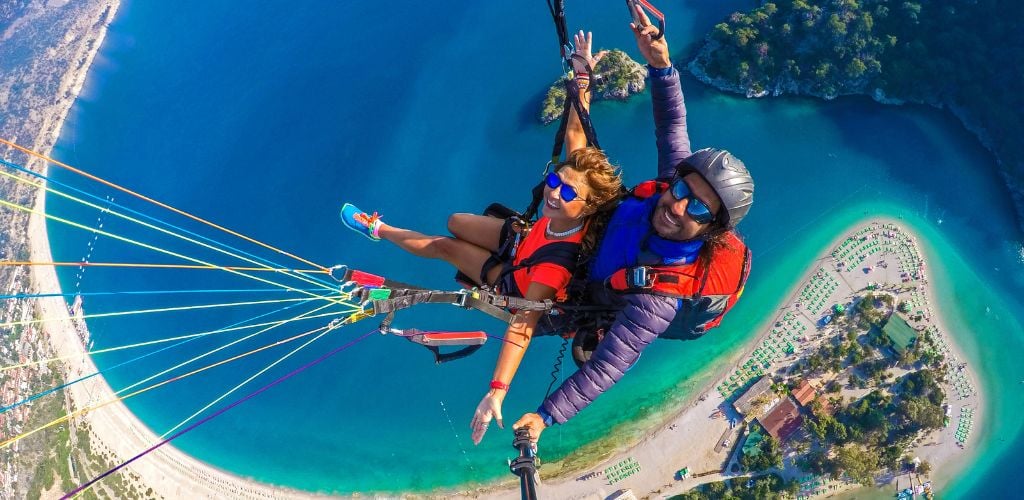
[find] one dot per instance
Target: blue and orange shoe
(360, 221)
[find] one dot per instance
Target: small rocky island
(616, 77)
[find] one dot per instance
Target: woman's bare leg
(465, 256)
(481, 230)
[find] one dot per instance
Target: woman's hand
(488, 409)
(654, 51)
(584, 44)
(533, 423)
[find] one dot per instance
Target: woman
(536, 264)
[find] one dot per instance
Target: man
(669, 264)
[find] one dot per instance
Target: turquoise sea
(266, 117)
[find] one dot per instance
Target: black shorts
(508, 239)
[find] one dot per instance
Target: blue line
(33, 397)
(152, 292)
(20, 168)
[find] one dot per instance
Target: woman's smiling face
(556, 208)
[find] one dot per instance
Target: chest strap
(675, 281)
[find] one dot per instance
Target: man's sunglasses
(567, 193)
(697, 209)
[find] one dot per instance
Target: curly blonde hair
(602, 177)
(605, 183)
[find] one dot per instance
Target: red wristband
(497, 384)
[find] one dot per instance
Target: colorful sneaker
(360, 221)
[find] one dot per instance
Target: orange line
(155, 202)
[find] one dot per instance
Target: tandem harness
(382, 296)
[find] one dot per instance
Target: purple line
(218, 412)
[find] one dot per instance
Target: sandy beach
(948, 458)
(690, 437)
(113, 428)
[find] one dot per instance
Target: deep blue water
(265, 119)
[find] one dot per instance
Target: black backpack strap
(560, 253)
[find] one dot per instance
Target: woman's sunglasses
(567, 193)
(697, 209)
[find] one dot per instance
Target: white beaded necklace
(563, 234)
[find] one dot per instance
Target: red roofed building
(804, 393)
(782, 420)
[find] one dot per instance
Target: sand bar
(704, 434)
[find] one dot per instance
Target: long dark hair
(714, 240)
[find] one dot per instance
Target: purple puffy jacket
(644, 316)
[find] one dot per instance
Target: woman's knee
(447, 249)
(457, 223)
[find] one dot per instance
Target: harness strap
(647, 277)
(557, 8)
(572, 101)
(572, 98)
(489, 303)
(703, 280)
(560, 253)
(746, 270)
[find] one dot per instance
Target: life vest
(705, 289)
(562, 253)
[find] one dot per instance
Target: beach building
(804, 393)
(901, 334)
(757, 398)
(782, 420)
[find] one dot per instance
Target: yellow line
(151, 226)
(160, 204)
(150, 247)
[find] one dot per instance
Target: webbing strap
(489, 303)
(572, 98)
(404, 299)
(557, 8)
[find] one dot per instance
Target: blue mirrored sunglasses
(697, 209)
(567, 193)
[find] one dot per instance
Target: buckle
(638, 278)
(461, 301)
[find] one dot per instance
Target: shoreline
(942, 472)
(168, 471)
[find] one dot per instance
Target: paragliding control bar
(434, 341)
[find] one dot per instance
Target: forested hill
(967, 55)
